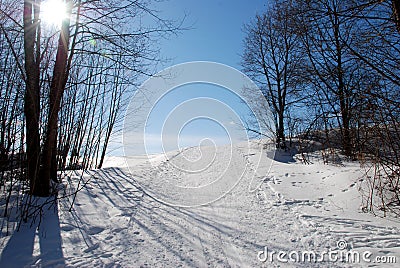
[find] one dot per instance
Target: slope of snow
(118, 221)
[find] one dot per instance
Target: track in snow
(116, 222)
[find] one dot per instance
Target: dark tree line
(330, 70)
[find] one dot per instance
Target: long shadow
(20, 247)
(155, 219)
(173, 211)
(167, 218)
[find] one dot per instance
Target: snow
(120, 221)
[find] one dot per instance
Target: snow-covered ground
(270, 219)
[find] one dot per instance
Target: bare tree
(354, 51)
(334, 73)
(379, 113)
(98, 30)
(272, 58)
(75, 78)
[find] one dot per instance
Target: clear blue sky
(216, 33)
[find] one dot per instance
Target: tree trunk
(281, 131)
(32, 94)
(49, 160)
(343, 96)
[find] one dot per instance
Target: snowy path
(227, 233)
(137, 230)
(297, 208)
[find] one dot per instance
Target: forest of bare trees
(63, 89)
(333, 68)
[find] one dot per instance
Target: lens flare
(53, 12)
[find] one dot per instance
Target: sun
(53, 12)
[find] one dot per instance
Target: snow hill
(120, 221)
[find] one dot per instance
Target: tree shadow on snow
(156, 218)
(19, 251)
(281, 156)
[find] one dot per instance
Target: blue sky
(191, 114)
(215, 34)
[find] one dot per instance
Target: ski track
(227, 233)
(115, 223)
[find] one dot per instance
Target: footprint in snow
(267, 179)
(106, 255)
(95, 230)
(109, 237)
(91, 248)
(67, 228)
(117, 230)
